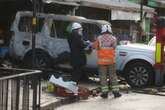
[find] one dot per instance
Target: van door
(23, 37)
(58, 44)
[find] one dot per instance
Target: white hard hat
(75, 25)
(109, 29)
(106, 28)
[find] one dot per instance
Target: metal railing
(20, 89)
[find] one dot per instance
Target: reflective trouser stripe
(158, 52)
(115, 88)
(104, 89)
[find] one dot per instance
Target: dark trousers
(77, 73)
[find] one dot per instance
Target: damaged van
(52, 31)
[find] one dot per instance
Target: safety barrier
(20, 89)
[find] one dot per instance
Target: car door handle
(26, 43)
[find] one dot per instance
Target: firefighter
(105, 45)
(77, 46)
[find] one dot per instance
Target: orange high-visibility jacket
(105, 45)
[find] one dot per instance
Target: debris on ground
(151, 91)
(68, 85)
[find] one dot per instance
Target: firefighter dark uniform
(78, 57)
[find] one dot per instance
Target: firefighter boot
(116, 94)
(104, 92)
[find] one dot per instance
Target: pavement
(136, 100)
(130, 101)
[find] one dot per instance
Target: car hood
(136, 47)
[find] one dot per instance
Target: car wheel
(139, 74)
(42, 60)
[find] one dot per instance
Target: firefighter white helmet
(75, 25)
(109, 29)
(106, 28)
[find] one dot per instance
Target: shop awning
(115, 5)
(122, 10)
(7, 0)
(123, 5)
(62, 2)
(122, 15)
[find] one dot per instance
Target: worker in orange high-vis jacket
(105, 45)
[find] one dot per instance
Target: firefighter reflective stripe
(115, 88)
(106, 61)
(158, 53)
(104, 89)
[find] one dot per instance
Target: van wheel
(139, 74)
(63, 58)
(42, 60)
